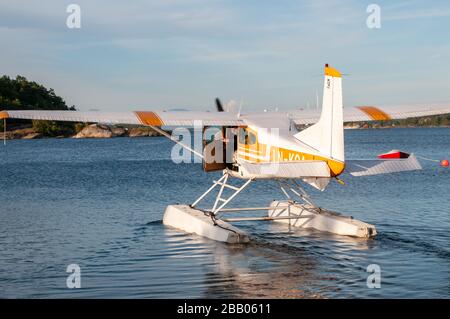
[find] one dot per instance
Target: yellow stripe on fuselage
(278, 154)
(251, 150)
(263, 153)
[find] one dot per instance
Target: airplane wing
(190, 118)
(375, 113)
(154, 118)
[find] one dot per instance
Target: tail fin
(327, 135)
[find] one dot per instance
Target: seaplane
(292, 149)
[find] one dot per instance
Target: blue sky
(157, 54)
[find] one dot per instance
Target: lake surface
(99, 203)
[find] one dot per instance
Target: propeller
(219, 105)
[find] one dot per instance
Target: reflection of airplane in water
(269, 146)
(278, 267)
(258, 270)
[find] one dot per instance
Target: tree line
(21, 94)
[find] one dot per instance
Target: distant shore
(89, 131)
(365, 127)
(106, 131)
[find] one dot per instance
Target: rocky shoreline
(89, 131)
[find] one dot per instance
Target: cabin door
(215, 148)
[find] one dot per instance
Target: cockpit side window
(251, 138)
(246, 137)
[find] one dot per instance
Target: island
(21, 94)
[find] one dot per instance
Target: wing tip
(4, 115)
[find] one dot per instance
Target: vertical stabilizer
(327, 135)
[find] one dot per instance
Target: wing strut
(164, 133)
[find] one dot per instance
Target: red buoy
(444, 163)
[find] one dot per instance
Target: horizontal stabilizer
(382, 166)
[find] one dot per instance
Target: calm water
(99, 204)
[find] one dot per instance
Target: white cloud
(185, 52)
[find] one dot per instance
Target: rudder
(327, 135)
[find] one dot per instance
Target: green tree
(21, 94)
(53, 128)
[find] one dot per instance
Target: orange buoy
(444, 163)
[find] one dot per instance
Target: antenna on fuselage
(240, 109)
(4, 131)
(317, 100)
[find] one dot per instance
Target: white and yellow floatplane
(270, 146)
